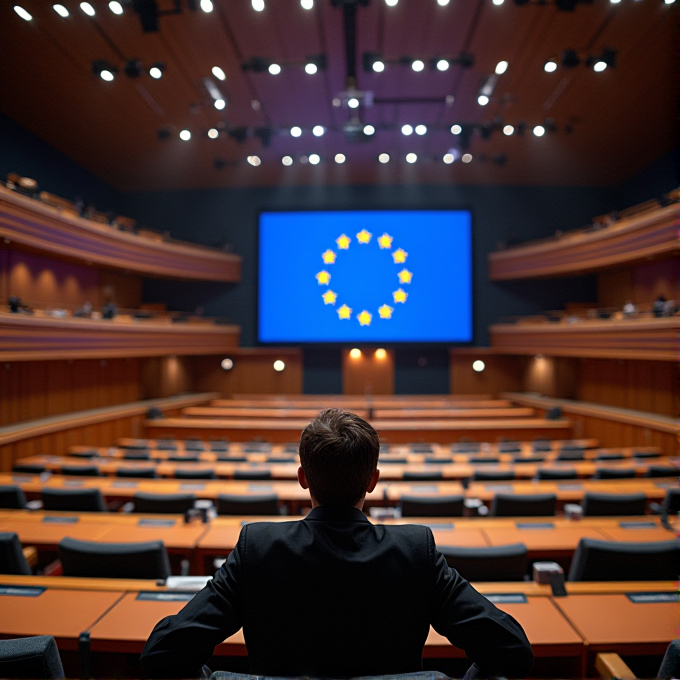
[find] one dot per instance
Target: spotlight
(317, 62)
(369, 130)
(287, 160)
(478, 366)
(60, 10)
(314, 158)
(219, 73)
(254, 160)
(340, 158)
(318, 130)
(278, 364)
(227, 364)
(378, 66)
(274, 69)
(104, 70)
(498, 2)
(607, 58)
(539, 131)
(220, 104)
(482, 100)
(599, 66)
(570, 59)
(311, 69)
(448, 158)
(456, 129)
(417, 65)
(550, 66)
(372, 61)
(156, 70)
(355, 353)
(443, 65)
(421, 130)
(466, 158)
(213, 133)
(391, 3)
(406, 130)
(207, 6)
(381, 353)
(307, 4)
(384, 158)
(133, 68)
(116, 7)
(353, 103)
(508, 130)
(258, 5)
(87, 8)
(501, 67)
(411, 158)
(295, 131)
(185, 135)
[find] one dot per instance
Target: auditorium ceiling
(600, 127)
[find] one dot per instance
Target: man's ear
(375, 477)
(302, 480)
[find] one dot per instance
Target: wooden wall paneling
(652, 279)
(4, 272)
(368, 374)
(502, 373)
(615, 288)
(127, 289)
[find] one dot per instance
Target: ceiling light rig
(311, 65)
(132, 68)
(374, 62)
(572, 58)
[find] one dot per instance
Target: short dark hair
(338, 453)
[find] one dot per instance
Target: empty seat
(140, 472)
(421, 448)
(432, 506)
(427, 476)
(12, 560)
(609, 456)
(611, 504)
(509, 447)
(114, 560)
(252, 474)
(541, 445)
(198, 473)
(392, 461)
(493, 475)
(139, 446)
(76, 500)
(31, 657)
(219, 446)
(163, 502)
(502, 563)
(662, 471)
(466, 447)
(91, 453)
(281, 459)
(571, 453)
(294, 447)
(233, 504)
(614, 473)
(29, 468)
(556, 473)
(129, 454)
(80, 470)
(523, 505)
(484, 460)
(12, 497)
(256, 447)
(528, 459)
(166, 445)
(623, 561)
(184, 458)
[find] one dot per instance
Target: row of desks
(119, 616)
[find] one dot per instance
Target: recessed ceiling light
(258, 5)
(539, 131)
(384, 158)
(482, 100)
(501, 67)
(116, 7)
(599, 66)
(156, 71)
(185, 135)
(355, 353)
(287, 160)
(466, 158)
(378, 66)
(406, 130)
(254, 160)
(498, 2)
(411, 158)
(307, 4)
(274, 69)
(60, 10)
(207, 6)
(550, 66)
(227, 364)
(87, 8)
(353, 103)
(418, 65)
(311, 69)
(314, 158)
(508, 130)
(340, 158)
(220, 104)
(478, 366)
(213, 133)
(369, 130)
(279, 365)
(421, 130)
(219, 73)
(442, 3)
(456, 129)
(391, 3)
(295, 131)
(443, 65)
(23, 13)
(448, 158)
(318, 130)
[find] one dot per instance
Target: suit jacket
(333, 595)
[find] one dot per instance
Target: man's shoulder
(273, 529)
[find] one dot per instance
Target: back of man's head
(338, 453)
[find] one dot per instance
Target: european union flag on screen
(394, 276)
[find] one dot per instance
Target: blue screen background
(365, 277)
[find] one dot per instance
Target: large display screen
(365, 276)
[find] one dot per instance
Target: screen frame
(370, 344)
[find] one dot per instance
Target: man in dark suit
(332, 595)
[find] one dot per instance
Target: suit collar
(329, 513)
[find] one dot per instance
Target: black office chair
(31, 657)
(139, 473)
(136, 455)
(234, 504)
(139, 446)
(80, 470)
(670, 666)
(219, 446)
(252, 475)
(426, 476)
(166, 503)
(615, 473)
(91, 453)
(662, 471)
(183, 458)
(166, 445)
(114, 560)
(556, 474)
(194, 445)
(622, 561)
(432, 506)
(421, 448)
(509, 447)
(541, 446)
(671, 503)
(571, 453)
(392, 461)
(484, 460)
(523, 505)
(493, 475)
(528, 459)
(502, 563)
(466, 447)
(294, 447)
(12, 560)
(76, 500)
(282, 459)
(12, 497)
(231, 459)
(646, 454)
(198, 473)
(438, 460)
(611, 504)
(29, 468)
(609, 456)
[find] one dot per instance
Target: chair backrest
(92, 453)
(502, 563)
(130, 454)
(432, 506)
(191, 457)
(523, 505)
(196, 473)
(528, 459)
(12, 560)
(77, 500)
(226, 458)
(219, 446)
(234, 504)
(139, 472)
(392, 461)
(163, 502)
(281, 459)
(623, 561)
(487, 460)
(29, 468)
(542, 445)
(438, 460)
(80, 470)
(556, 473)
(615, 473)
(670, 666)
(509, 447)
(252, 474)
(194, 445)
(672, 501)
(166, 445)
(31, 657)
(114, 560)
(12, 496)
(571, 454)
(493, 475)
(466, 447)
(611, 504)
(646, 454)
(417, 675)
(427, 476)
(662, 471)
(610, 456)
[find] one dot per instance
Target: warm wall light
(279, 365)
(380, 353)
(355, 353)
(227, 364)
(478, 365)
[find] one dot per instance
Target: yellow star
(385, 312)
(364, 236)
(385, 241)
(323, 277)
(399, 295)
(328, 257)
(399, 256)
(329, 297)
(345, 312)
(343, 241)
(405, 276)
(364, 318)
